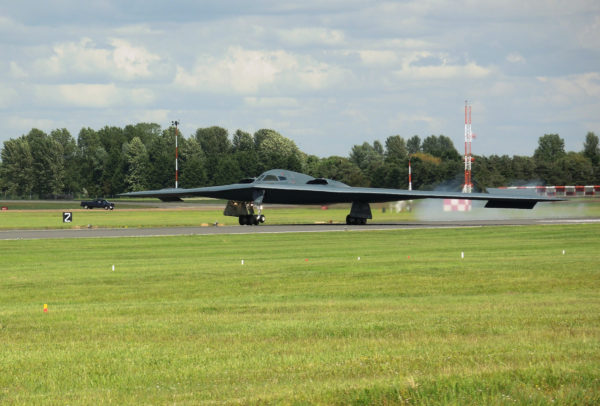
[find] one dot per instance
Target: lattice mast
(468, 185)
(409, 176)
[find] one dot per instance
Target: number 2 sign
(67, 216)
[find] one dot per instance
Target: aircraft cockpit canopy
(271, 178)
(287, 177)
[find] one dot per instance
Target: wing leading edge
(238, 192)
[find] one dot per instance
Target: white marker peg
(462, 255)
(242, 262)
(563, 252)
(113, 268)
(358, 258)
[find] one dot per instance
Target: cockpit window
(271, 178)
(282, 178)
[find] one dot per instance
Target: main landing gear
(359, 213)
(251, 219)
(355, 221)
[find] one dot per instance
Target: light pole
(176, 123)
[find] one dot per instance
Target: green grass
(49, 215)
(303, 321)
(194, 216)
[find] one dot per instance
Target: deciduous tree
(16, 168)
(137, 160)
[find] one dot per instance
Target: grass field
(176, 217)
(47, 215)
(303, 321)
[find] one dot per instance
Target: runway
(273, 229)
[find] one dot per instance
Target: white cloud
(133, 62)
(572, 89)
(152, 116)
(121, 61)
(378, 57)
(139, 96)
(425, 65)
(312, 36)
(515, 57)
(502, 88)
(250, 71)
(137, 30)
(339, 71)
(16, 71)
(429, 124)
(443, 72)
(92, 95)
(75, 57)
(8, 96)
(271, 102)
(19, 125)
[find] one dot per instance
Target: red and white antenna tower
(409, 176)
(468, 186)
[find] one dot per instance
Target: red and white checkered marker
(457, 205)
(578, 190)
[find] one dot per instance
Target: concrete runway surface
(291, 228)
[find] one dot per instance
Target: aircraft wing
(238, 192)
(317, 194)
(285, 193)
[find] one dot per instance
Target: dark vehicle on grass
(98, 203)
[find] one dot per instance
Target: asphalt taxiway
(291, 228)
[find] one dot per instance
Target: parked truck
(98, 203)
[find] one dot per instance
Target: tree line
(114, 160)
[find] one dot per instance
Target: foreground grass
(181, 320)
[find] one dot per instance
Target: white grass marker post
(358, 258)
(242, 262)
(113, 267)
(462, 255)
(563, 252)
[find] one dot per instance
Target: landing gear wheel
(352, 221)
(250, 220)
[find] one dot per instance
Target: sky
(326, 74)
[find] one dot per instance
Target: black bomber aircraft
(279, 186)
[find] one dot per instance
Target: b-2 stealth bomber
(279, 186)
